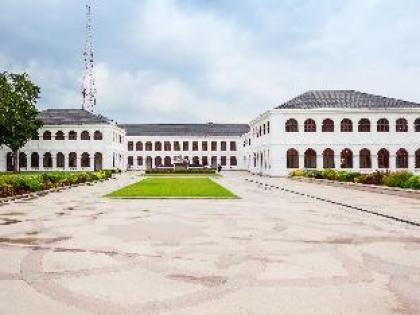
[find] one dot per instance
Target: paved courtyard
(270, 252)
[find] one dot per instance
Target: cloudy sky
(216, 60)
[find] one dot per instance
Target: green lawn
(174, 187)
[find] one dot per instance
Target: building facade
(346, 130)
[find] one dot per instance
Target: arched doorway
(47, 160)
(23, 160)
(10, 162)
(328, 158)
(196, 161)
(383, 158)
(310, 158)
(60, 160)
(158, 161)
(346, 158)
(98, 161)
(167, 161)
(149, 162)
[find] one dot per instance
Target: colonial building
(345, 130)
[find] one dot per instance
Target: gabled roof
(71, 117)
(344, 99)
(209, 129)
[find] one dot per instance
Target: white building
(345, 130)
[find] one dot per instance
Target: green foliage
(376, 178)
(18, 115)
(13, 184)
(413, 182)
(397, 179)
(175, 171)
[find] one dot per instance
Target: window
(72, 160)
(85, 135)
(365, 159)
(346, 158)
(364, 125)
(34, 160)
(328, 125)
(158, 146)
(46, 135)
(223, 160)
(185, 146)
(35, 137)
(233, 146)
(139, 161)
(264, 129)
(139, 146)
(130, 146)
(260, 132)
(292, 158)
(249, 142)
(310, 125)
(268, 127)
(204, 146)
(223, 146)
(158, 161)
(167, 161)
(233, 161)
(214, 161)
(97, 135)
(328, 158)
(23, 162)
(59, 135)
(47, 160)
(130, 161)
(383, 158)
(346, 125)
(196, 161)
(149, 146)
(292, 125)
(401, 160)
(167, 146)
(417, 125)
(195, 145)
(60, 160)
(401, 125)
(214, 146)
(72, 135)
(417, 164)
(205, 160)
(177, 146)
(310, 158)
(383, 125)
(85, 160)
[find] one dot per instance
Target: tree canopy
(19, 120)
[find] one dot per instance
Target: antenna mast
(89, 85)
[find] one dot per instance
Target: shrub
(329, 174)
(345, 176)
(413, 182)
(397, 179)
(376, 178)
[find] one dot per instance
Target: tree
(19, 120)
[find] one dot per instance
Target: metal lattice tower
(89, 84)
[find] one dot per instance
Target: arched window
(401, 160)
(35, 160)
(167, 161)
(328, 158)
(149, 146)
(383, 158)
(196, 161)
(310, 125)
(310, 158)
(59, 135)
(417, 159)
(60, 160)
(417, 125)
(158, 161)
(23, 162)
(328, 125)
(401, 125)
(365, 159)
(383, 125)
(35, 137)
(98, 161)
(47, 160)
(130, 146)
(364, 125)
(85, 160)
(346, 158)
(72, 135)
(139, 146)
(167, 146)
(46, 135)
(292, 125)
(139, 161)
(158, 146)
(85, 135)
(73, 160)
(292, 158)
(346, 125)
(97, 135)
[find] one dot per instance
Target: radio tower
(89, 85)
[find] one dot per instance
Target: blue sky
(197, 61)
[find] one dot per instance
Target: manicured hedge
(22, 183)
(174, 171)
(401, 179)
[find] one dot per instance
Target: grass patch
(173, 187)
